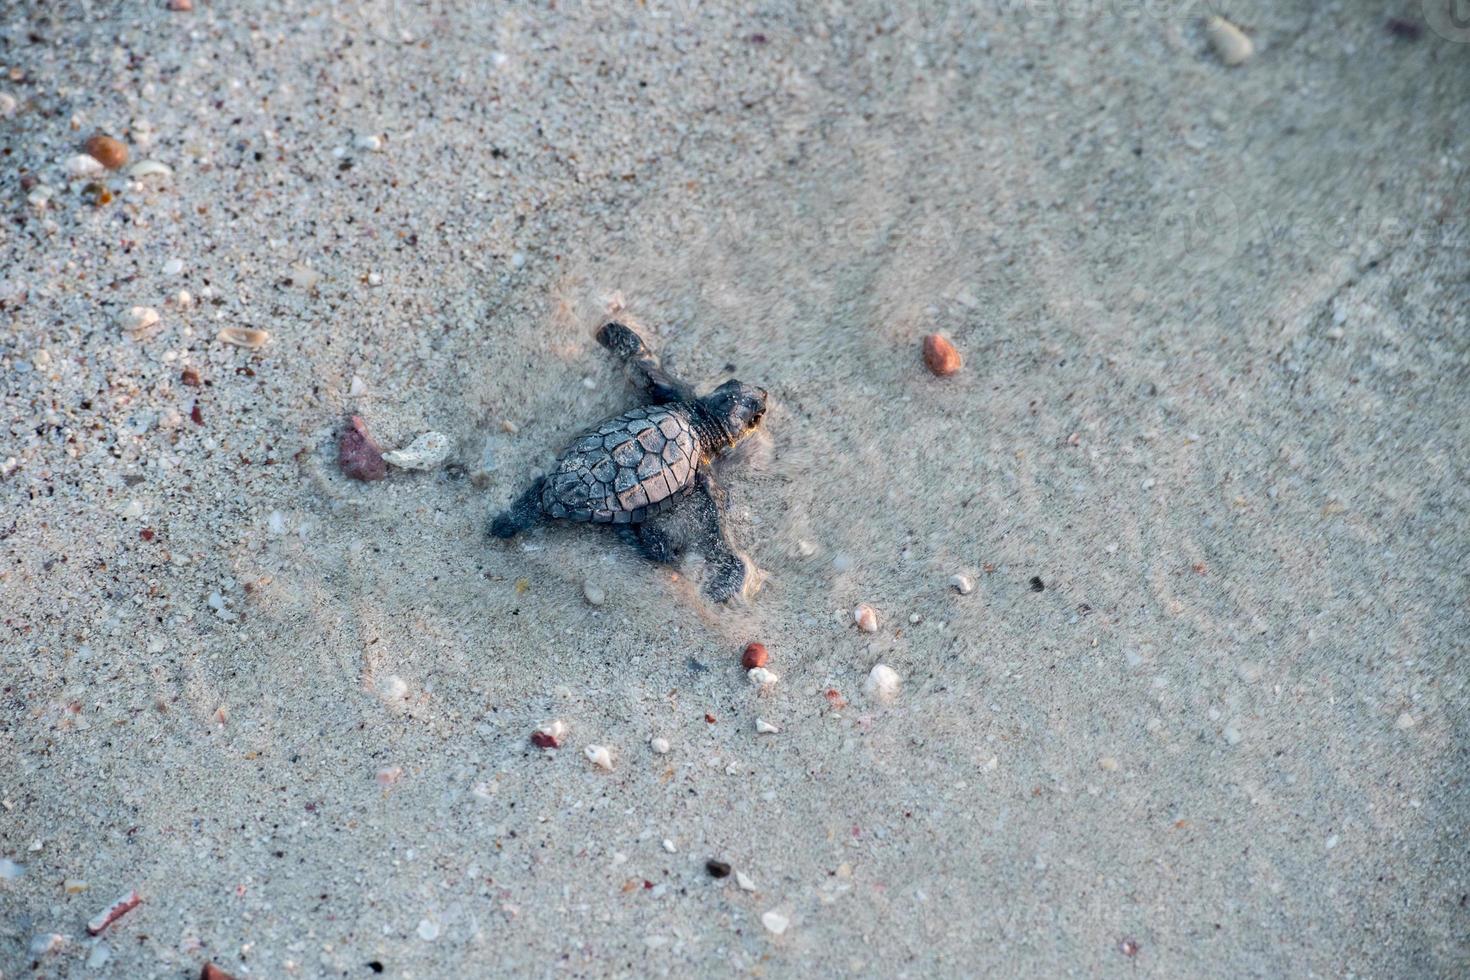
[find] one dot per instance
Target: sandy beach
(1202, 714)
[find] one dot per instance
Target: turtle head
(738, 407)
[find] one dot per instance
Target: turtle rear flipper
(643, 368)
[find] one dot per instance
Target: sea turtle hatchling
(630, 470)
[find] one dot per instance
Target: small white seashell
(149, 168)
(248, 337)
(370, 143)
(915, 619)
(669, 846)
(392, 688)
(866, 618)
(593, 593)
(424, 453)
(1107, 764)
(184, 299)
(556, 728)
(1231, 43)
(140, 321)
(83, 165)
(7, 104)
(304, 276)
(599, 756)
(660, 745)
(775, 922)
(763, 727)
(882, 683)
(173, 267)
(761, 677)
(962, 584)
(743, 880)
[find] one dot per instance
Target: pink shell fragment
(358, 455)
(113, 912)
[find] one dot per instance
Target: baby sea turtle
(631, 470)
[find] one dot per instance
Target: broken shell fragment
(882, 683)
(962, 584)
(599, 756)
(1230, 42)
(149, 168)
(866, 618)
(761, 677)
(248, 337)
(549, 735)
(424, 453)
(140, 322)
(358, 455)
(763, 727)
(113, 912)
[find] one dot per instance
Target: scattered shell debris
(882, 683)
(358, 456)
(962, 584)
(251, 338)
(669, 846)
(775, 922)
(940, 356)
(763, 727)
(424, 453)
(149, 168)
(866, 618)
(113, 912)
(1230, 42)
(140, 322)
(743, 880)
(761, 677)
(83, 165)
(549, 735)
(599, 756)
(755, 655)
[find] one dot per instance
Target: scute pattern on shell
(625, 469)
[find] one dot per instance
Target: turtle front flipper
(728, 571)
(520, 515)
(643, 368)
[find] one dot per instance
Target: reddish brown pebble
(940, 355)
(212, 972)
(755, 656)
(146, 534)
(196, 414)
(107, 151)
(183, 7)
(545, 740)
(191, 378)
(1128, 947)
(359, 457)
(709, 718)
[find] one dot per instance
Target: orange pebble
(755, 656)
(940, 355)
(107, 151)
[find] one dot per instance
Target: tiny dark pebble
(717, 869)
(212, 972)
(191, 378)
(1129, 947)
(358, 455)
(545, 740)
(1037, 584)
(375, 966)
(1402, 27)
(709, 718)
(196, 414)
(146, 534)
